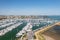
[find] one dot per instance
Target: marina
(24, 30)
(29, 19)
(13, 29)
(11, 35)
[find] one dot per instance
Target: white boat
(24, 30)
(4, 31)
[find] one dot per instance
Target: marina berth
(24, 30)
(6, 25)
(19, 33)
(4, 31)
(12, 29)
(5, 22)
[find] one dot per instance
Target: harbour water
(40, 25)
(11, 35)
(43, 24)
(55, 17)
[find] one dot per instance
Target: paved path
(45, 29)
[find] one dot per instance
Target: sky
(29, 7)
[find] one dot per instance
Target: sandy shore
(51, 36)
(48, 37)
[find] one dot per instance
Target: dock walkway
(44, 29)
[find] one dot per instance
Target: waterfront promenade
(37, 32)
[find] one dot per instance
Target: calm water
(42, 24)
(12, 34)
(55, 17)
